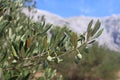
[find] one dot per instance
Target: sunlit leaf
(96, 27)
(98, 33)
(14, 52)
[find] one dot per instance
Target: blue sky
(70, 8)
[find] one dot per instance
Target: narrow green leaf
(90, 25)
(90, 42)
(1, 17)
(89, 29)
(44, 42)
(23, 54)
(31, 49)
(61, 41)
(54, 33)
(43, 18)
(48, 26)
(25, 46)
(98, 33)
(52, 39)
(3, 26)
(21, 45)
(43, 24)
(59, 35)
(14, 52)
(74, 40)
(29, 41)
(68, 34)
(1, 74)
(96, 27)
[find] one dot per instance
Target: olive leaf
(14, 52)
(96, 27)
(74, 39)
(89, 30)
(98, 33)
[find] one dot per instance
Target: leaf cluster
(27, 47)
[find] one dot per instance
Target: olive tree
(26, 47)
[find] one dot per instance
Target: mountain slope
(111, 25)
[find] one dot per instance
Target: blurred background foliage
(99, 63)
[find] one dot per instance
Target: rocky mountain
(111, 25)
